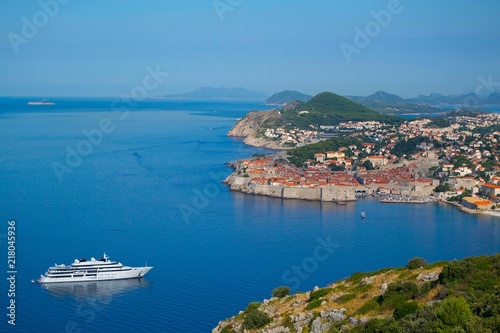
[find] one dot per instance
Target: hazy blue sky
(102, 48)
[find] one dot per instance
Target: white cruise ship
(42, 102)
(92, 270)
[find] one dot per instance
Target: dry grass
(296, 304)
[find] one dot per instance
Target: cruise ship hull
(132, 273)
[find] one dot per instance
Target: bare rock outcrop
(248, 128)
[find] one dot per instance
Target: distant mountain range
(219, 93)
(389, 103)
(288, 96)
(432, 99)
(464, 99)
(380, 101)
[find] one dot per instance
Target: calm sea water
(149, 190)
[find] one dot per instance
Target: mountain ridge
(287, 96)
(219, 93)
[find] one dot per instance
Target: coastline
(256, 182)
(471, 211)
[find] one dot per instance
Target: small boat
(363, 215)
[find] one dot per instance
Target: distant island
(287, 96)
(447, 296)
(208, 93)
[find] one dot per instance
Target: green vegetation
(228, 329)
(371, 305)
(368, 165)
(362, 288)
(404, 309)
(443, 188)
(315, 295)
(346, 298)
(453, 312)
(408, 147)
(416, 263)
(470, 301)
(465, 298)
(315, 298)
(486, 130)
(281, 291)
(328, 109)
(397, 293)
(255, 319)
(460, 160)
(358, 276)
(438, 122)
(252, 306)
(287, 96)
(314, 304)
(299, 156)
(288, 324)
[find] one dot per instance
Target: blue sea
(83, 177)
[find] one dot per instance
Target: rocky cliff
(248, 128)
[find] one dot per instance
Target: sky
(108, 48)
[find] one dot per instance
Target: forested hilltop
(326, 109)
(298, 123)
(456, 296)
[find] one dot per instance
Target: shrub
(371, 305)
(422, 321)
(436, 264)
(453, 312)
(357, 277)
(281, 291)
(255, 319)
(404, 309)
(287, 323)
(319, 293)
(456, 271)
(252, 306)
(398, 292)
(388, 325)
(416, 263)
(228, 329)
(314, 304)
(362, 288)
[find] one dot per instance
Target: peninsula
(337, 150)
(455, 296)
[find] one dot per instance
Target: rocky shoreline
(248, 127)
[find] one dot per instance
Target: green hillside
(328, 109)
(456, 296)
(287, 96)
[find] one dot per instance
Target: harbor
(406, 199)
